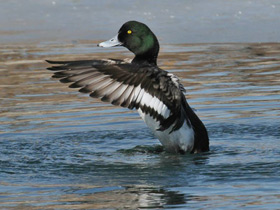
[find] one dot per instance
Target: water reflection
(90, 197)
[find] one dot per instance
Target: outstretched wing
(149, 88)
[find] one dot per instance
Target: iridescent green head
(139, 39)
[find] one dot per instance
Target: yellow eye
(129, 32)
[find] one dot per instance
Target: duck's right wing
(153, 90)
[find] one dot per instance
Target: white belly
(181, 139)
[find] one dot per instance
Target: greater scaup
(141, 84)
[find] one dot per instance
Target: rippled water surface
(60, 149)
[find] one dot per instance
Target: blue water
(241, 170)
(61, 149)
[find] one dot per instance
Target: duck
(157, 95)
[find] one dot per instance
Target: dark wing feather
(126, 85)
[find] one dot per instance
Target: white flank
(182, 139)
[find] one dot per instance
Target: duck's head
(139, 39)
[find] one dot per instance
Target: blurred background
(173, 22)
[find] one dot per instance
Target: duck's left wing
(155, 91)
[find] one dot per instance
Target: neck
(149, 57)
(145, 59)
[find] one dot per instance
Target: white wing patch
(103, 86)
(119, 93)
(144, 98)
(99, 85)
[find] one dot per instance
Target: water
(61, 149)
(178, 21)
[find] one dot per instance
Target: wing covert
(149, 88)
